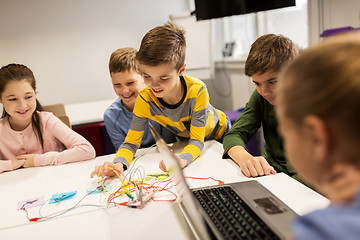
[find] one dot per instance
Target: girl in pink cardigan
(30, 137)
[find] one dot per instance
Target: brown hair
(325, 81)
(123, 59)
(163, 44)
(18, 72)
(269, 52)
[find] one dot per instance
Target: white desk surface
(88, 112)
(157, 220)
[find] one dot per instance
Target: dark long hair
(18, 72)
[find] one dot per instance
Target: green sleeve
(245, 126)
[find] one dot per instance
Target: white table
(88, 112)
(157, 220)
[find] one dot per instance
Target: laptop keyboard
(231, 215)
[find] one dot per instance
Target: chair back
(58, 110)
(65, 119)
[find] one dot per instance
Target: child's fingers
(267, 168)
(104, 171)
(162, 166)
(183, 162)
(254, 170)
(251, 168)
(92, 174)
(256, 166)
(245, 170)
(96, 171)
(17, 163)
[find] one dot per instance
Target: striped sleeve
(132, 142)
(198, 124)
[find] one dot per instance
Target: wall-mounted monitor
(208, 9)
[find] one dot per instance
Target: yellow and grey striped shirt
(193, 117)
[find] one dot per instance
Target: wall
(328, 14)
(229, 73)
(230, 76)
(68, 43)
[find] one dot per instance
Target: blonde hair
(325, 81)
(123, 59)
(269, 52)
(163, 44)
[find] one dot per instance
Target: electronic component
(61, 196)
(30, 203)
(139, 203)
(98, 188)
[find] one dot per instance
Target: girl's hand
(29, 160)
(17, 163)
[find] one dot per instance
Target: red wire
(199, 178)
(36, 219)
(113, 195)
(30, 219)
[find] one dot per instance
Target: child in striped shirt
(176, 101)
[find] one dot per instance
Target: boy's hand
(17, 163)
(182, 163)
(162, 166)
(250, 166)
(256, 166)
(105, 171)
(29, 160)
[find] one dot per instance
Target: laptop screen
(265, 213)
(186, 198)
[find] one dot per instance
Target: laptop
(242, 210)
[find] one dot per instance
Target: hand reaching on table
(250, 166)
(183, 163)
(256, 166)
(106, 170)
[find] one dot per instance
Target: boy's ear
(318, 136)
(182, 69)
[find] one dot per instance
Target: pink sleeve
(5, 165)
(77, 147)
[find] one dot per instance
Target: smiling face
(266, 85)
(126, 86)
(19, 101)
(164, 82)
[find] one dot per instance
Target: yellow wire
(124, 184)
(104, 189)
